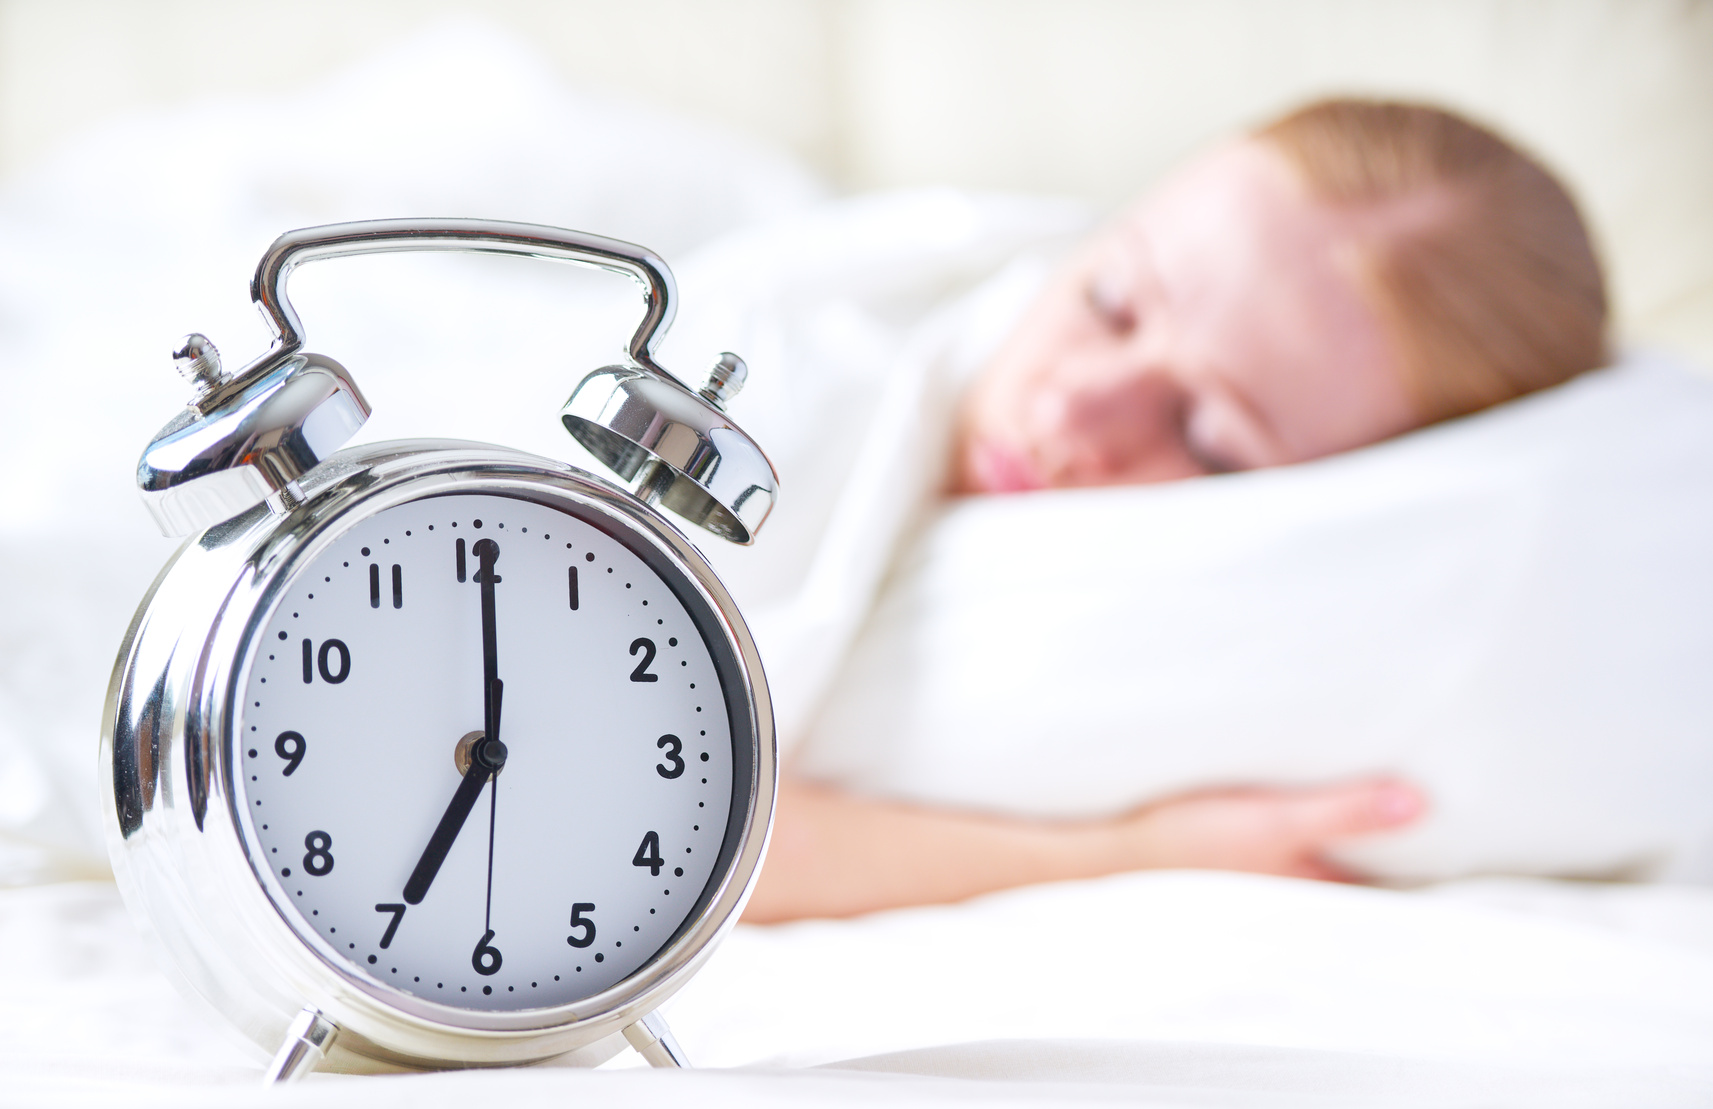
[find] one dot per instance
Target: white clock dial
(584, 855)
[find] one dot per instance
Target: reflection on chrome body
(250, 437)
(168, 749)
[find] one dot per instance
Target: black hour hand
(487, 757)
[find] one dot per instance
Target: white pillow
(1514, 610)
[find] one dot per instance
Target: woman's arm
(834, 854)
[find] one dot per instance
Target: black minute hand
(487, 755)
(489, 552)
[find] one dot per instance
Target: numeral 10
(332, 651)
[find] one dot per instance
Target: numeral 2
(641, 674)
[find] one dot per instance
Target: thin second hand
(493, 810)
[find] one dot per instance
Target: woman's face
(1217, 325)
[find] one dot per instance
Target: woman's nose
(1131, 400)
(1107, 422)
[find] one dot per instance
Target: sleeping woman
(1348, 273)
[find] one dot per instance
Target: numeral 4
(648, 854)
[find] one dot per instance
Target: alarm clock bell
(247, 438)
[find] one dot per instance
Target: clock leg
(655, 1042)
(306, 1044)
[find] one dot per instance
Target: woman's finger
(1318, 816)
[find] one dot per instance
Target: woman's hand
(838, 855)
(1265, 831)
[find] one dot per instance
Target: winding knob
(199, 362)
(725, 380)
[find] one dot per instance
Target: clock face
(365, 772)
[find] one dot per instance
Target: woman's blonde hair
(1474, 255)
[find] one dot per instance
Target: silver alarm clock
(433, 753)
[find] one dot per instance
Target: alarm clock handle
(477, 236)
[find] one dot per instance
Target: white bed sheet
(1169, 988)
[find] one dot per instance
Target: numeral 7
(398, 915)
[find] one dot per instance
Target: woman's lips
(998, 469)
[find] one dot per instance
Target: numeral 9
(290, 746)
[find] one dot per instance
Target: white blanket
(1158, 989)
